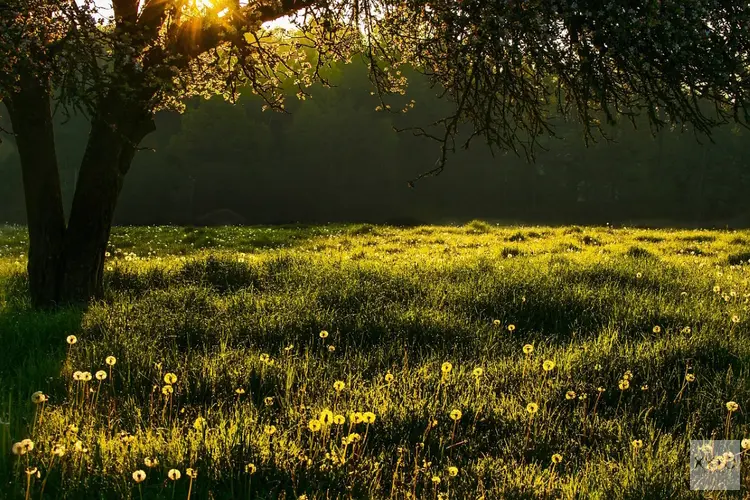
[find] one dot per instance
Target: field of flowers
(360, 361)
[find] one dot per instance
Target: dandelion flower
(110, 360)
(446, 367)
(167, 390)
(314, 425)
(638, 275)
(687, 329)
(264, 358)
(548, 365)
(72, 339)
(732, 406)
(735, 319)
(657, 329)
(139, 476)
(528, 349)
(270, 430)
(239, 391)
(78, 447)
(478, 372)
(356, 417)
(77, 375)
(150, 462)
(192, 473)
(199, 423)
(624, 385)
(326, 417)
(644, 387)
(556, 458)
(331, 348)
(389, 377)
(339, 419)
(368, 417)
(627, 375)
(38, 397)
(532, 408)
(58, 450)
(689, 377)
(601, 389)
(323, 334)
(435, 480)
(170, 378)
(100, 375)
(637, 444)
(511, 327)
(27, 444)
(496, 322)
(456, 415)
(339, 385)
(18, 449)
(745, 443)
(268, 400)
(570, 395)
(174, 474)
(86, 376)
(452, 471)
(250, 469)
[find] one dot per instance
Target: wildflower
(446, 368)
(556, 458)
(532, 408)
(598, 367)
(199, 423)
(250, 468)
(624, 385)
(18, 449)
(389, 377)
(339, 419)
(717, 289)
(496, 322)
(170, 378)
(478, 372)
(331, 348)
(77, 375)
(528, 349)
(314, 425)
(570, 395)
(511, 327)
(745, 443)
(644, 387)
(139, 476)
(689, 377)
(323, 334)
(100, 375)
(71, 339)
(326, 417)
(264, 358)
(627, 375)
(150, 462)
(435, 480)
(687, 329)
(270, 430)
(268, 400)
(456, 415)
(110, 360)
(167, 390)
(86, 376)
(601, 389)
(657, 329)
(174, 474)
(548, 365)
(735, 319)
(192, 473)
(27, 445)
(339, 385)
(78, 447)
(239, 391)
(38, 397)
(368, 417)
(637, 444)
(356, 417)
(30, 471)
(732, 406)
(58, 450)
(452, 471)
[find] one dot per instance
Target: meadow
(359, 361)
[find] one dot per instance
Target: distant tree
(500, 63)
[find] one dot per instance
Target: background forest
(334, 158)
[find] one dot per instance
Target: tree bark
(115, 134)
(31, 118)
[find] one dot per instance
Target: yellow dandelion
(174, 474)
(732, 406)
(745, 444)
(339, 419)
(456, 415)
(624, 385)
(100, 375)
(58, 450)
(657, 329)
(689, 377)
(264, 358)
(331, 348)
(717, 289)
(326, 417)
(77, 375)
(511, 327)
(570, 395)
(139, 476)
(556, 458)
(150, 462)
(601, 389)
(389, 377)
(496, 322)
(86, 376)
(268, 400)
(167, 390)
(170, 378)
(200, 423)
(644, 387)
(27, 444)
(687, 329)
(446, 367)
(548, 365)
(452, 471)
(38, 397)
(735, 319)
(270, 430)
(478, 372)
(192, 473)
(532, 408)
(72, 339)
(18, 449)
(339, 385)
(239, 391)
(111, 360)
(528, 349)
(314, 425)
(368, 417)
(627, 375)
(356, 417)
(637, 444)
(435, 480)
(250, 469)
(638, 275)
(323, 334)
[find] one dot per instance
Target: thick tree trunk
(114, 138)
(31, 118)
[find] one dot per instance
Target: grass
(237, 315)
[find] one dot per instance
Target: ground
(359, 361)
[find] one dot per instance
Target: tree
(500, 64)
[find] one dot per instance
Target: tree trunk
(31, 117)
(115, 134)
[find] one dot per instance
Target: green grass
(210, 305)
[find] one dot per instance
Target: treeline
(334, 158)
